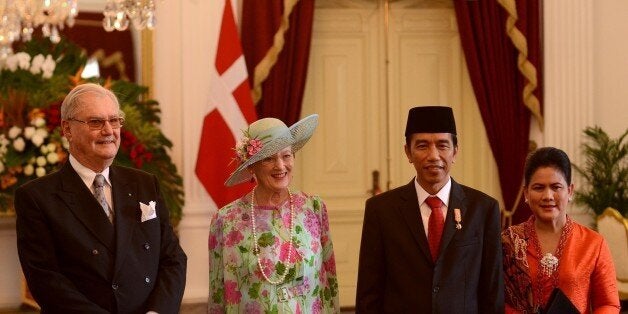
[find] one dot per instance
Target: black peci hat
(431, 119)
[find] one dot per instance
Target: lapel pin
(458, 218)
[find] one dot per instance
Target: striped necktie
(99, 194)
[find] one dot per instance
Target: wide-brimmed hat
(266, 137)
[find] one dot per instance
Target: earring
(570, 199)
(410, 160)
(526, 200)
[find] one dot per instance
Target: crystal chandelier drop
(119, 13)
(19, 18)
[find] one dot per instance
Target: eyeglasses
(98, 124)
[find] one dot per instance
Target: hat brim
(298, 134)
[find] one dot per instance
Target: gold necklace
(283, 272)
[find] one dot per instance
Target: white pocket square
(148, 211)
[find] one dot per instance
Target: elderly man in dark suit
(92, 237)
(431, 246)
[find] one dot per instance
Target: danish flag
(231, 110)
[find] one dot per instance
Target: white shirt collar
(86, 174)
(443, 194)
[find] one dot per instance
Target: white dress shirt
(88, 175)
(426, 211)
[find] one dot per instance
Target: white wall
(610, 65)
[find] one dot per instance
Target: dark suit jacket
(75, 261)
(396, 272)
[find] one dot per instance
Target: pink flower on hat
(254, 147)
(247, 147)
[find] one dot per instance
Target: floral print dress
(236, 285)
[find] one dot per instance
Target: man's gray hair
(73, 100)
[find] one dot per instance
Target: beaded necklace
(548, 263)
(256, 250)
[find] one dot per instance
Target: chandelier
(19, 18)
(119, 13)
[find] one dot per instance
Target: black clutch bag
(559, 303)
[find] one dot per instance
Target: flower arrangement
(30, 151)
(247, 147)
(33, 83)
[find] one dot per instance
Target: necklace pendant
(256, 251)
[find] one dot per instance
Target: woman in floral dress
(270, 251)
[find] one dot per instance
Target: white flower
(38, 122)
(36, 64)
(37, 139)
(48, 67)
(28, 132)
(52, 158)
(23, 60)
(41, 161)
(44, 149)
(11, 63)
(14, 131)
(19, 144)
(29, 170)
(52, 147)
(39, 136)
(65, 143)
(42, 132)
(40, 172)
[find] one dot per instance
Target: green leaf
(605, 172)
(254, 290)
(218, 295)
(266, 239)
(280, 268)
(274, 310)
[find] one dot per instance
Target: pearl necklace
(256, 249)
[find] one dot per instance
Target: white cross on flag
(231, 110)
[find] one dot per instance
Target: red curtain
(282, 91)
(498, 84)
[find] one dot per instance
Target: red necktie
(435, 225)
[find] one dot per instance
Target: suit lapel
(124, 193)
(411, 214)
(456, 200)
(84, 206)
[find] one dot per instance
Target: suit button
(147, 280)
(146, 246)
(114, 286)
(435, 290)
(94, 252)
